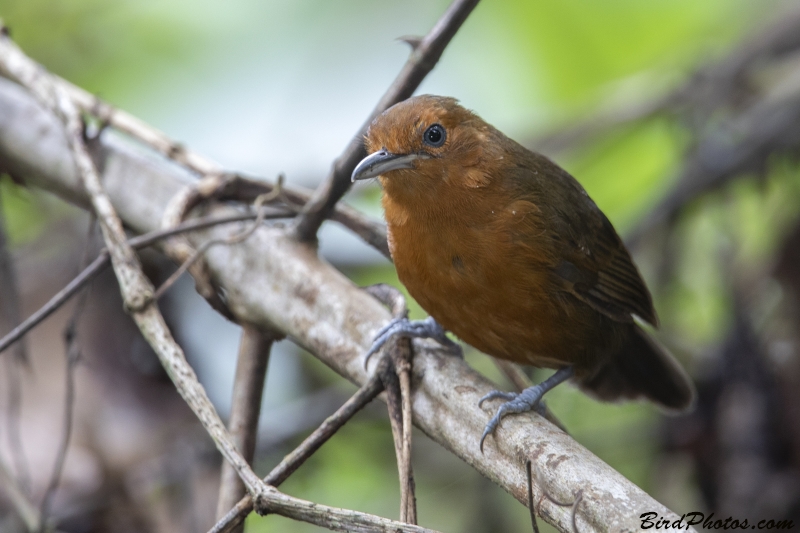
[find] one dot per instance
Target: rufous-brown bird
(505, 249)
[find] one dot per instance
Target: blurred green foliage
(563, 59)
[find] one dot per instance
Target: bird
(506, 250)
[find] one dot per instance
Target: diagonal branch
(19, 500)
(102, 260)
(423, 58)
(368, 392)
(248, 386)
(10, 313)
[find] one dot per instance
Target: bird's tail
(642, 368)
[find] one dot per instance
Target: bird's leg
(421, 329)
(524, 401)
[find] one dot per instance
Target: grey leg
(524, 401)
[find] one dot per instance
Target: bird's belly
(480, 296)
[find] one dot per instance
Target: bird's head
(427, 141)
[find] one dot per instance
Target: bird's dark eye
(434, 136)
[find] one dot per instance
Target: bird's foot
(421, 329)
(527, 400)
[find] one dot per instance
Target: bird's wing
(589, 259)
(599, 271)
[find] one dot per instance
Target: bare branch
(127, 123)
(397, 382)
(25, 509)
(423, 58)
(10, 314)
(102, 261)
(368, 392)
(337, 519)
(73, 353)
(248, 385)
(579, 133)
(741, 144)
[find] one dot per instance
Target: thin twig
(402, 364)
(531, 510)
(10, 314)
(334, 518)
(73, 355)
(215, 187)
(233, 239)
(577, 134)
(368, 392)
(422, 60)
(573, 505)
(248, 386)
(16, 495)
(56, 301)
(397, 381)
(102, 261)
(129, 124)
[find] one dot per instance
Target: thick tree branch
(274, 281)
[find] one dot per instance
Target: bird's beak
(382, 162)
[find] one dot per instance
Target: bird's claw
(422, 329)
(495, 394)
(522, 402)
(527, 400)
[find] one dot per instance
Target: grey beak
(382, 162)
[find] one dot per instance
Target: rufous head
(426, 139)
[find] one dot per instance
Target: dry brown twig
(27, 512)
(137, 292)
(248, 385)
(368, 392)
(230, 240)
(72, 352)
(397, 382)
(102, 260)
(531, 508)
(10, 315)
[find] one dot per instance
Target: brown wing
(601, 273)
(590, 260)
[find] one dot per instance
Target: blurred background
(680, 118)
